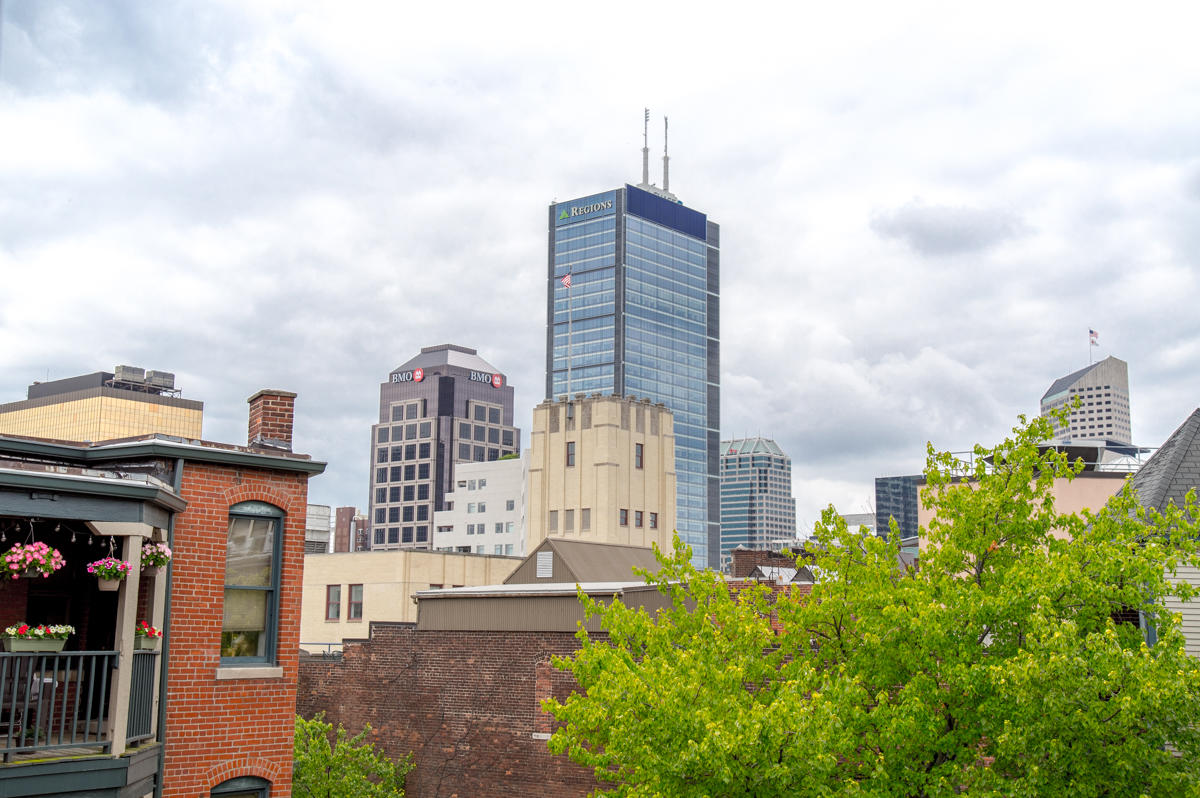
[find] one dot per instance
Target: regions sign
(588, 207)
(416, 375)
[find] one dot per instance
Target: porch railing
(57, 700)
(141, 697)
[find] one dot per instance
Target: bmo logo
(416, 375)
(496, 380)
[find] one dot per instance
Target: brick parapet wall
(222, 729)
(744, 561)
(466, 704)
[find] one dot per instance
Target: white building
(1102, 390)
(485, 513)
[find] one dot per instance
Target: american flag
(1093, 338)
(566, 280)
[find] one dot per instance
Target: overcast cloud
(924, 207)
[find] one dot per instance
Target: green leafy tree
(1006, 665)
(349, 767)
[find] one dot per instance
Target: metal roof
(447, 355)
(589, 562)
(160, 445)
(756, 445)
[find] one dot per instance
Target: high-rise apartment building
(1103, 393)
(757, 506)
(632, 310)
(602, 469)
(446, 405)
(104, 406)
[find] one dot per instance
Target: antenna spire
(646, 149)
(666, 160)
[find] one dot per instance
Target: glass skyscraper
(757, 508)
(639, 316)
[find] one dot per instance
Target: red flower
(23, 629)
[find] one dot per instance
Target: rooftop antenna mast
(646, 149)
(666, 159)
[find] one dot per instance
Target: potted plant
(146, 636)
(110, 571)
(23, 637)
(32, 559)
(154, 557)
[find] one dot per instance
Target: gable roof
(585, 561)
(1173, 470)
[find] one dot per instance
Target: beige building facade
(104, 406)
(602, 468)
(345, 591)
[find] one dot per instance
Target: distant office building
(485, 513)
(757, 506)
(445, 406)
(317, 529)
(856, 521)
(602, 469)
(1103, 393)
(351, 531)
(633, 310)
(104, 406)
(896, 497)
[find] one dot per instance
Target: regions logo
(584, 210)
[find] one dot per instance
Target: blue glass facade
(641, 319)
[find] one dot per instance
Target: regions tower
(632, 310)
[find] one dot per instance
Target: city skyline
(925, 209)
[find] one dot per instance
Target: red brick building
(229, 604)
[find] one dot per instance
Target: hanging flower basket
(23, 637)
(110, 571)
(145, 636)
(31, 560)
(155, 556)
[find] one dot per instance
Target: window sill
(249, 672)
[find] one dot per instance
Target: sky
(924, 207)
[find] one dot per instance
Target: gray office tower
(447, 405)
(632, 310)
(896, 497)
(757, 507)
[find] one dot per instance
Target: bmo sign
(495, 380)
(416, 375)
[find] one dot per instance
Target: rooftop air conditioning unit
(161, 379)
(129, 374)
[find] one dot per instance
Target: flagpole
(569, 282)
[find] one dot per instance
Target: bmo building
(445, 406)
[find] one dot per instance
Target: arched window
(252, 565)
(242, 787)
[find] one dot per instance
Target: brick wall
(222, 729)
(746, 560)
(271, 415)
(466, 704)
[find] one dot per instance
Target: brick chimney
(271, 414)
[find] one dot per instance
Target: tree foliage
(349, 767)
(1003, 666)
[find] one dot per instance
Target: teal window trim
(260, 510)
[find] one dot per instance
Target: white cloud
(301, 196)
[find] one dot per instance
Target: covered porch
(97, 700)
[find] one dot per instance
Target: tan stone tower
(602, 468)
